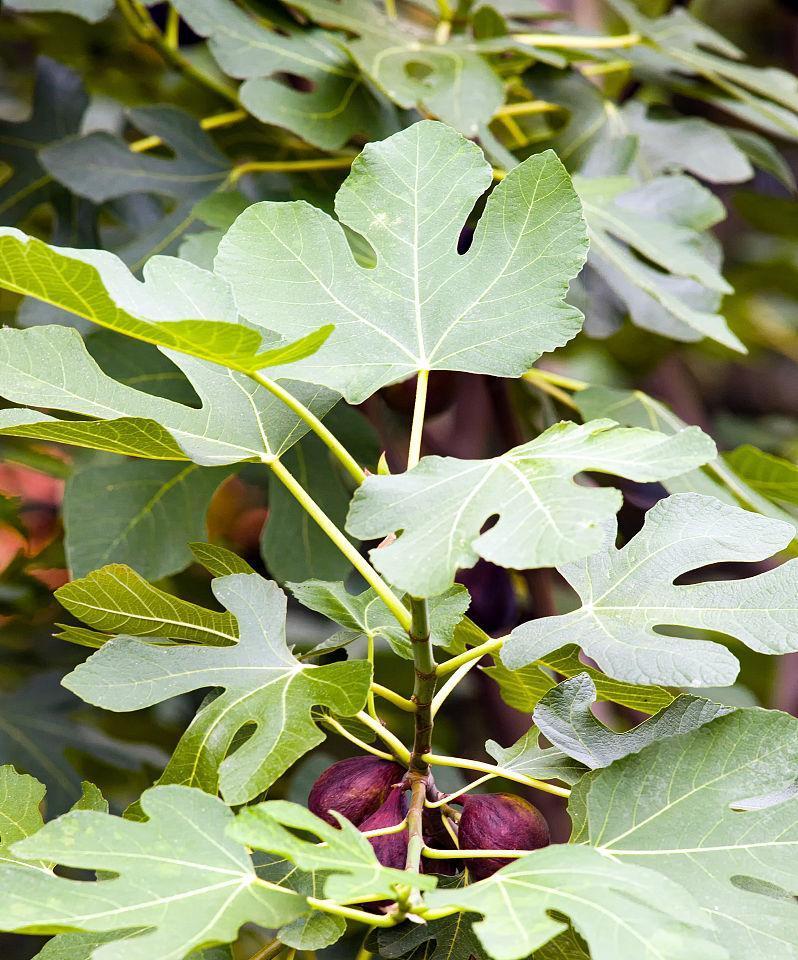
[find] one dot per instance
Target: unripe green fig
(355, 788)
(391, 849)
(499, 821)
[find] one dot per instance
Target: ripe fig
(391, 849)
(499, 821)
(355, 787)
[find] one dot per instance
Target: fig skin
(391, 850)
(499, 821)
(356, 788)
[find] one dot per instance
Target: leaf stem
(396, 699)
(268, 951)
(372, 919)
(574, 41)
(447, 798)
(454, 680)
(434, 854)
(396, 745)
(494, 770)
(226, 119)
(324, 434)
(371, 706)
(415, 820)
(341, 729)
(567, 383)
(362, 566)
(475, 653)
(419, 409)
(291, 166)
(542, 383)
(172, 34)
(526, 108)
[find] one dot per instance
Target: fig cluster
(371, 793)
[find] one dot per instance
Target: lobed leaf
(628, 595)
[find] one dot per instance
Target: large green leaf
(772, 477)
(336, 103)
(81, 946)
(179, 305)
(354, 871)
(101, 167)
(527, 757)
(20, 810)
(177, 881)
(116, 599)
(442, 504)
(264, 686)
(628, 594)
(139, 512)
(620, 910)
(423, 306)
(684, 808)
(565, 719)
(649, 245)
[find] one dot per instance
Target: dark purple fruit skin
(356, 788)
(391, 850)
(499, 821)
(437, 837)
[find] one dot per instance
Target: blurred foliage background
(122, 128)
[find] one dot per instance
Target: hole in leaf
(419, 71)
(294, 82)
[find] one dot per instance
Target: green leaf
(636, 409)
(450, 80)
(544, 516)
(619, 909)
(354, 871)
(527, 757)
(59, 102)
(218, 560)
(681, 808)
(177, 306)
(264, 686)
(365, 615)
(314, 930)
(138, 512)
(628, 594)
(446, 939)
(20, 809)
(39, 735)
(338, 103)
(771, 476)
(682, 45)
(81, 946)
(565, 719)
(523, 688)
(101, 167)
(178, 880)
(91, 10)
(649, 245)
(423, 306)
(238, 420)
(116, 599)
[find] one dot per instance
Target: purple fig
(438, 837)
(391, 849)
(499, 821)
(355, 788)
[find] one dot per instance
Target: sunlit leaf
(442, 504)
(629, 595)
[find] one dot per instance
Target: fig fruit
(391, 849)
(499, 821)
(356, 788)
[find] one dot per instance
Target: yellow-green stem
(434, 804)
(226, 119)
(372, 919)
(526, 108)
(434, 854)
(392, 697)
(362, 566)
(417, 428)
(366, 747)
(324, 434)
(398, 749)
(574, 41)
(465, 764)
(292, 166)
(475, 653)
